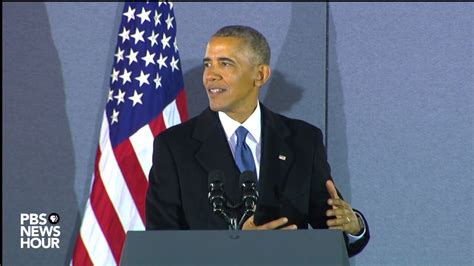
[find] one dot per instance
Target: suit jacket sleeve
(319, 196)
(163, 199)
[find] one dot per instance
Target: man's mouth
(215, 90)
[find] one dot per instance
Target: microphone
(248, 185)
(216, 191)
(216, 195)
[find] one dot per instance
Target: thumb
(331, 189)
(248, 224)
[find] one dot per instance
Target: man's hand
(249, 225)
(346, 219)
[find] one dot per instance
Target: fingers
(345, 219)
(338, 203)
(331, 189)
(344, 223)
(273, 224)
(341, 224)
(250, 225)
(338, 212)
(290, 227)
(337, 222)
(347, 228)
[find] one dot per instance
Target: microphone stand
(222, 208)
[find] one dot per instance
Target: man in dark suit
(287, 155)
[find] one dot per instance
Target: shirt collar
(253, 124)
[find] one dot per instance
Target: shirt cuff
(353, 238)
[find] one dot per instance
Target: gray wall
(400, 125)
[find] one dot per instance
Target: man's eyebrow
(207, 59)
(225, 59)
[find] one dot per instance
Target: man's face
(229, 77)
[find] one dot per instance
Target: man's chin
(215, 107)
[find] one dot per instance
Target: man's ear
(263, 74)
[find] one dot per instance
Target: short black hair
(254, 39)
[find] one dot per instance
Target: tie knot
(241, 133)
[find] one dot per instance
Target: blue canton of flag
(146, 62)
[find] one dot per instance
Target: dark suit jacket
(184, 155)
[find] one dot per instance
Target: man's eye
(206, 65)
(225, 64)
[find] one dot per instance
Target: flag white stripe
(104, 132)
(116, 186)
(171, 115)
(94, 239)
(142, 143)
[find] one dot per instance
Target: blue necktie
(243, 154)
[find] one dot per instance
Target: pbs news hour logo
(39, 230)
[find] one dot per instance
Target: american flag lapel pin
(282, 157)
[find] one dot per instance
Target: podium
(220, 247)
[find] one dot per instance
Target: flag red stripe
(182, 107)
(105, 213)
(81, 256)
(133, 174)
(157, 125)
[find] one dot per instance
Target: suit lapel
(215, 154)
(276, 158)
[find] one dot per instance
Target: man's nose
(211, 74)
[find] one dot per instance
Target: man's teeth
(216, 90)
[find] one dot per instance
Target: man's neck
(241, 117)
(252, 123)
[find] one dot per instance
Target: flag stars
(138, 36)
(125, 34)
(157, 18)
(136, 98)
(132, 56)
(169, 22)
(119, 54)
(162, 61)
(128, 82)
(126, 76)
(130, 14)
(144, 15)
(114, 75)
(148, 58)
(111, 94)
(175, 44)
(174, 64)
(153, 38)
(157, 81)
(165, 41)
(114, 117)
(143, 78)
(120, 97)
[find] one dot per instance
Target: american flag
(146, 96)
